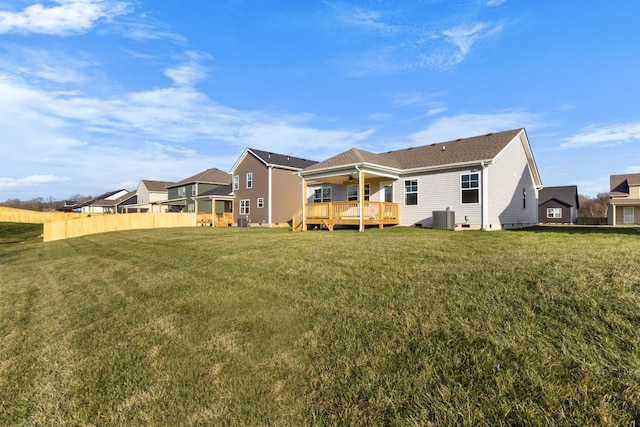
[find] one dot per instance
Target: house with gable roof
(182, 195)
(265, 187)
(624, 202)
(149, 197)
(489, 182)
(559, 205)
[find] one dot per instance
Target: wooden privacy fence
(63, 225)
(33, 217)
(56, 230)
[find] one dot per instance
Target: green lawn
(401, 326)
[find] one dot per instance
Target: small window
(554, 212)
(411, 192)
(260, 202)
(352, 192)
(249, 180)
(470, 188)
(236, 182)
(322, 195)
(191, 207)
(193, 190)
(244, 206)
(524, 198)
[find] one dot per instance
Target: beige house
(149, 197)
(624, 205)
(265, 189)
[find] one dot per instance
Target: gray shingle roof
(220, 190)
(210, 176)
(157, 185)
(567, 194)
(619, 184)
(283, 160)
(463, 150)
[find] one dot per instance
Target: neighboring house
(181, 194)
(149, 197)
(558, 205)
(266, 190)
(222, 198)
(624, 205)
(107, 202)
(488, 182)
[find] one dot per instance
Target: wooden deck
(331, 214)
(217, 220)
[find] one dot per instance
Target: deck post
(213, 212)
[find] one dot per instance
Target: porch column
(213, 212)
(613, 214)
(361, 198)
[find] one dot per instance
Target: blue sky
(96, 95)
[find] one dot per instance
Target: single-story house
(558, 205)
(488, 182)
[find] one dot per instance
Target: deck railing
(224, 219)
(335, 213)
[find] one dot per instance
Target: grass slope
(400, 326)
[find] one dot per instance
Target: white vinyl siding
(508, 176)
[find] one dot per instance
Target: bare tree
(595, 207)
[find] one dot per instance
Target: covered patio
(349, 191)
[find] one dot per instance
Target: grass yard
(401, 326)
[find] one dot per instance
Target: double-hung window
(322, 194)
(352, 192)
(244, 206)
(249, 180)
(470, 188)
(554, 212)
(260, 202)
(236, 182)
(411, 192)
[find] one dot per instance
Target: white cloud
(463, 38)
(604, 136)
(495, 2)
(7, 183)
(466, 125)
(63, 18)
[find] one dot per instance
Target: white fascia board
(240, 159)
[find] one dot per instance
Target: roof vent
(459, 139)
(490, 133)
(443, 148)
(288, 158)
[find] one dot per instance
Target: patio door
(628, 215)
(386, 192)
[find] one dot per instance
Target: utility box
(444, 220)
(243, 222)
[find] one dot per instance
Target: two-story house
(624, 204)
(149, 197)
(181, 195)
(266, 190)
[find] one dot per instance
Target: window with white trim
(554, 212)
(470, 188)
(244, 206)
(236, 182)
(193, 190)
(250, 180)
(260, 202)
(411, 192)
(322, 194)
(352, 192)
